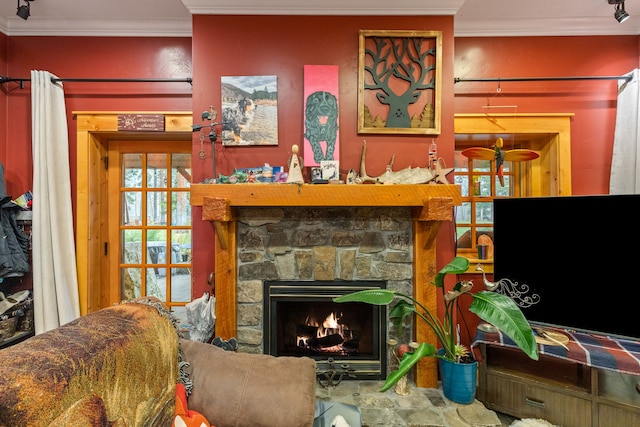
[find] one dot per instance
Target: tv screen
(580, 254)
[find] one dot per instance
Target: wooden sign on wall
(141, 122)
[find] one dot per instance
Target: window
(480, 184)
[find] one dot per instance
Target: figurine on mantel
(295, 168)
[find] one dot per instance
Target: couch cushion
(257, 390)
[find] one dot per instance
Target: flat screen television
(580, 254)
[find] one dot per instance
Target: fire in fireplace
(301, 319)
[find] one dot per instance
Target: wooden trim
(326, 195)
(424, 265)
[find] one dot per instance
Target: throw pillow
(253, 390)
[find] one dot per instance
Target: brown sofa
(119, 367)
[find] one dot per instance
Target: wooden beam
(326, 195)
(218, 210)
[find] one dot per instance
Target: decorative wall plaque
(399, 81)
(141, 122)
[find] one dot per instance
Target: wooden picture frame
(399, 82)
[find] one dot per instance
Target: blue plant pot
(458, 380)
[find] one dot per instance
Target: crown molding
(327, 7)
(581, 26)
(178, 27)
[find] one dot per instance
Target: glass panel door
(154, 230)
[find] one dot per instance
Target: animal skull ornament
(407, 175)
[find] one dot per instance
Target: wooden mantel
(431, 203)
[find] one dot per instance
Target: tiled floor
(422, 407)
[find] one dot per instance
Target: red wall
(282, 45)
(89, 57)
(4, 40)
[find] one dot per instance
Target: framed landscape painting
(249, 110)
(399, 81)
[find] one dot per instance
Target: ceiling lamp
(620, 14)
(24, 11)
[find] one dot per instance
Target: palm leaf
(401, 310)
(502, 312)
(458, 265)
(370, 296)
(407, 362)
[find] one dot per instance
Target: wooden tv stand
(566, 393)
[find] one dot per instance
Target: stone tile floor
(422, 407)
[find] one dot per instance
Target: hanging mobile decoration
(496, 152)
(500, 156)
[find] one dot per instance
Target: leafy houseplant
(494, 308)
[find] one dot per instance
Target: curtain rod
(537, 79)
(189, 80)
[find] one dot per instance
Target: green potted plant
(494, 308)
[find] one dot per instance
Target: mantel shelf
(245, 195)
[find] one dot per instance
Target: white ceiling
(148, 18)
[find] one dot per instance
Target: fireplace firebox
(301, 319)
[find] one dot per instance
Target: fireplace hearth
(301, 319)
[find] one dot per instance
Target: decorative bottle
(433, 154)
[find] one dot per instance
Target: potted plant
(494, 308)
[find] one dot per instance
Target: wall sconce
(620, 14)
(24, 11)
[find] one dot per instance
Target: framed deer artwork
(399, 81)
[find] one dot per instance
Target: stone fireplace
(316, 233)
(322, 250)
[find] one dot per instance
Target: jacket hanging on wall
(14, 243)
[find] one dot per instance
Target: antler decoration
(407, 175)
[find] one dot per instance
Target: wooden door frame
(94, 131)
(549, 134)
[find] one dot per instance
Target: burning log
(307, 330)
(329, 340)
(351, 344)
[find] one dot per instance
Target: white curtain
(55, 279)
(625, 162)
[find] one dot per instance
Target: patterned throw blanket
(589, 349)
(117, 366)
